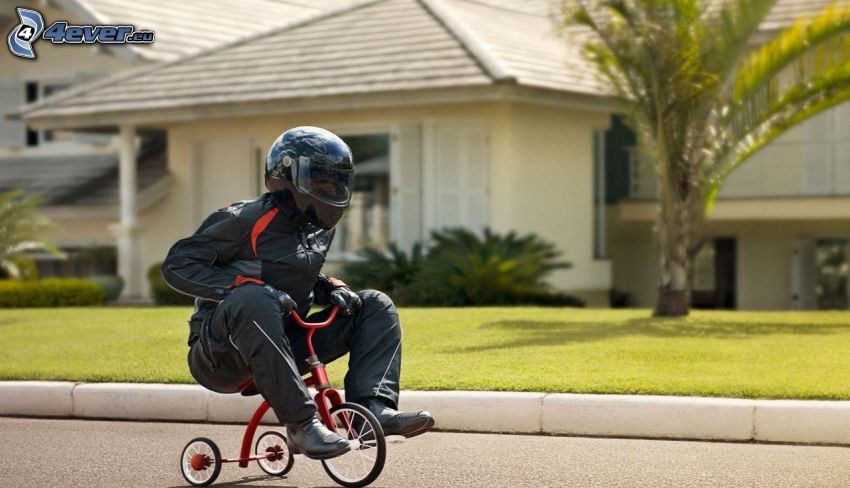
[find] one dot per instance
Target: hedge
(50, 292)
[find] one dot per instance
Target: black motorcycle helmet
(311, 169)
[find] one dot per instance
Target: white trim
(161, 115)
(349, 129)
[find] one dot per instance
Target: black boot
(408, 424)
(312, 439)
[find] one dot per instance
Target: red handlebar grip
(315, 325)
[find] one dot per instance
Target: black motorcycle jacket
(251, 242)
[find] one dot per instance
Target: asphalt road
(79, 453)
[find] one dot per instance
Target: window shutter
(13, 133)
(457, 176)
(406, 184)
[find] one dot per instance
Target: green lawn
(736, 354)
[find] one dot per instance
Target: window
(832, 271)
(367, 221)
(36, 91)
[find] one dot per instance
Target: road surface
(79, 453)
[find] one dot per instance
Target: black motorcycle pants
(245, 337)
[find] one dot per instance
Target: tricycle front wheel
(364, 462)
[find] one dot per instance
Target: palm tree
(21, 228)
(703, 100)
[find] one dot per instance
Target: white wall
(540, 173)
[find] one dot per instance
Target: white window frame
(351, 130)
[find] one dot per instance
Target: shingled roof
(186, 27)
(367, 47)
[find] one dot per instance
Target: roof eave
(157, 116)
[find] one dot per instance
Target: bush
(620, 299)
(383, 271)
(111, 284)
(163, 294)
(549, 299)
(50, 292)
(464, 269)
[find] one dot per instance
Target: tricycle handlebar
(315, 325)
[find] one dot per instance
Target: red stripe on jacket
(259, 226)
(241, 280)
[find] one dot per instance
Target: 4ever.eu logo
(31, 28)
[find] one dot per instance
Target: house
(464, 112)
(78, 172)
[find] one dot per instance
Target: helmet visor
(331, 185)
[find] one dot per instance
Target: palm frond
(732, 27)
(811, 102)
(759, 72)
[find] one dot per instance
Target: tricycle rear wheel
(200, 462)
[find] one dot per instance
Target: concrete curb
(649, 416)
(659, 417)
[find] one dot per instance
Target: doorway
(831, 276)
(715, 271)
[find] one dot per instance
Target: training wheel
(280, 458)
(200, 462)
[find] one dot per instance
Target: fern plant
(492, 269)
(383, 270)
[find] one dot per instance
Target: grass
(732, 354)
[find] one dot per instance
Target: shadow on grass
(557, 333)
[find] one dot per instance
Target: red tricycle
(201, 459)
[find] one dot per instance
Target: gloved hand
(287, 304)
(348, 301)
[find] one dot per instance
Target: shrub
(620, 299)
(492, 270)
(163, 294)
(462, 268)
(383, 271)
(550, 299)
(111, 284)
(50, 292)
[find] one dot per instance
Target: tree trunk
(672, 303)
(677, 225)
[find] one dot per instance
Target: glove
(287, 304)
(348, 301)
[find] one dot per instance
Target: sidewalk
(657, 417)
